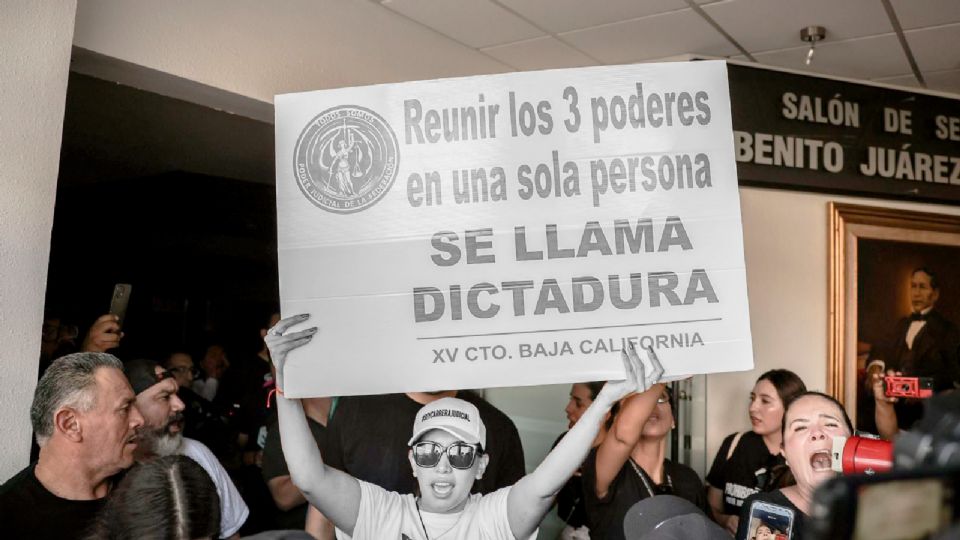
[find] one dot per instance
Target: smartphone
(770, 522)
(120, 300)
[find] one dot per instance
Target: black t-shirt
(274, 465)
(606, 515)
(751, 469)
(249, 390)
(776, 498)
(29, 510)
(367, 438)
(570, 506)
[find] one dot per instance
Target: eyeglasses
(185, 369)
(460, 454)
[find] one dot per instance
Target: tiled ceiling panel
(657, 36)
(565, 15)
(765, 25)
(936, 49)
(540, 53)
(901, 80)
(919, 13)
(477, 24)
(866, 58)
(945, 81)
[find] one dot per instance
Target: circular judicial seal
(346, 159)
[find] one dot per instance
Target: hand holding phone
(103, 335)
(119, 302)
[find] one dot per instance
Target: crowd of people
(161, 448)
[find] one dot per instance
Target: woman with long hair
(570, 505)
(750, 462)
(810, 423)
(631, 465)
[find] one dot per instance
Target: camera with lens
(908, 387)
(904, 491)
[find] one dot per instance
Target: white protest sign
(511, 229)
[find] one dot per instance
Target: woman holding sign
(630, 464)
(446, 453)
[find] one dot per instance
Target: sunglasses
(460, 454)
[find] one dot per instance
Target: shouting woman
(447, 454)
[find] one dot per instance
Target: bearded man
(162, 435)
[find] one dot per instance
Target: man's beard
(164, 443)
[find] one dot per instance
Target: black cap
(142, 374)
(668, 517)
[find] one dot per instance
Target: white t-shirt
(233, 511)
(386, 515)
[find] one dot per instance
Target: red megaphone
(861, 455)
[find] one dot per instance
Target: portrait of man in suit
(922, 344)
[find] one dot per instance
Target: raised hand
(280, 342)
(104, 334)
(638, 379)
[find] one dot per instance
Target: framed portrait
(889, 268)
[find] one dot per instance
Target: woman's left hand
(637, 378)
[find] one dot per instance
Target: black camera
(916, 500)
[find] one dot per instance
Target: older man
(162, 435)
(923, 344)
(86, 423)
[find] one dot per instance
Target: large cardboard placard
(511, 229)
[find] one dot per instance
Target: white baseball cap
(455, 416)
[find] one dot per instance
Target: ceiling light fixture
(812, 34)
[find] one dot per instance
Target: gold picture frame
(868, 244)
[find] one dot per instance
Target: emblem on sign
(346, 159)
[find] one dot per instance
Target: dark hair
(168, 498)
(173, 352)
(934, 282)
(595, 387)
(831, 399)
(788, 384)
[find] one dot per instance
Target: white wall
(35, 40)
(786, 240)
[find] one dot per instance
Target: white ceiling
(258, 49)
(861, 42)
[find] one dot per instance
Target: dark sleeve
(512, 467)
(698, 492)
(717, 477)
(274, 464)
(687, 484)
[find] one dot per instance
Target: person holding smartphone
(750, 462)
(810, 423)
(446, 451)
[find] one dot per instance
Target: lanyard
(647, 483)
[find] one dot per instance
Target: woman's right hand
(637, 378)
(280, 342)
